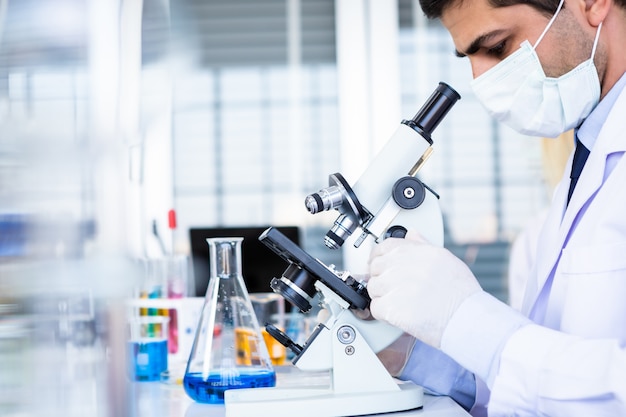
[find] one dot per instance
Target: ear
(597, 10)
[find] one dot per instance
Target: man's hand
(417, 287)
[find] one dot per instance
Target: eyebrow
(477, 44)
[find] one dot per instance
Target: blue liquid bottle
(146, 359)
(228, 351)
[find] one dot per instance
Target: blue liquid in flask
(211, 390)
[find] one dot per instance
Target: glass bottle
(228, 351)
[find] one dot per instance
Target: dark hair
(434, 8)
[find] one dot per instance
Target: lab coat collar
(563, 218)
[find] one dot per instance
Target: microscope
(386, 201)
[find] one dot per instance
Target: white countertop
(157, 399)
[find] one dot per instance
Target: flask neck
(225, 255)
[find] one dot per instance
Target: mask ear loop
(558, 9)
(595, 42)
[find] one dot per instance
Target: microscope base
(317, 402)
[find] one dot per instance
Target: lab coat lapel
(562, 217)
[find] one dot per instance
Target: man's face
(488, 34)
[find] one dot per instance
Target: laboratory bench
(162, 399)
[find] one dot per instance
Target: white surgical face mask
(517, 92)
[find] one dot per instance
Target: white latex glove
(395, 356)
(417, 287)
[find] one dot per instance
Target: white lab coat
(549, 373)
(522, 258)
(572, 362)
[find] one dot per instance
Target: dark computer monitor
(259, 263)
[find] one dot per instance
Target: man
(542, 67)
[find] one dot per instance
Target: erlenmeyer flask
(228, 351)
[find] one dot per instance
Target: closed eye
(481, 42)
(497, 50)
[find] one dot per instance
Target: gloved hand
(395, 356)
(417, 287)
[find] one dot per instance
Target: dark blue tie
(580, 156)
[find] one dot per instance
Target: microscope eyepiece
(433, 111)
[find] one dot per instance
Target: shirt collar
(589, 130)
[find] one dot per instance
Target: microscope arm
(337, 321)
(426, 218)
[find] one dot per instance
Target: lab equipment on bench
(386, 201)
(228, 351)
(389, 191)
